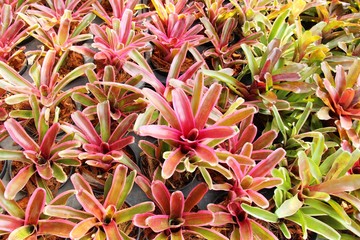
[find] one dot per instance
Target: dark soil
(164, 66)
(17, 62)
(72, 61)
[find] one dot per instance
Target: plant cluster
(204, 119)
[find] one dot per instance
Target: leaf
(253, 65)
(261, 232)
(342, 184)
(277, 26)
(117, 186)
(161, 195)
(13, 76)
(163, 106)
(62, 211)
(265, 166)
(128, 214)
(22, 233)
(112, 231)
(58, 227)
(19, 135)
(260, 213)
(207, 233)
(18, 182)
(208, 101)
(183, 111)
(318, 227)
(103, 113)
(35, 207)
(195, 196)
(82, 228)
(170, 164)
(10, 206)
(289, 207)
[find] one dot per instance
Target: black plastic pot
(4, 169)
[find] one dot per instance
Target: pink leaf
(206, 154)
(216, 132)
(19, 135)
(207, 104)
(158, 223)
(170, 164)
(183, 111)
(44, 170)
(122, 143)
(264, 167)
(161, 196)
(246, 232)
(160, 132)
(258, 199)
(139, 220)
(346, 98)
(48, 140)
(200, 218)
(82, 228)
(112, 231)
(18, 182)
(80, 183)
(117, 186)
(90, 204)
(163, 106)
(58, 227)
(86, 127)
(35, 207)
(10, 223)
(195, 196)
(176, 205)
(122, 128)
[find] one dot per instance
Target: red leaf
(35, 207)
(176, 205)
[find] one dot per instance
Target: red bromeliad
(177, 215)
(32, 222)
(187, 131)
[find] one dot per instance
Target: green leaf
(285, 230)
(260, 213)
(318, 227)
(353, 227)
(261, 232)
(253, 65)
(289, 207)
(22, 233)
(277, 26)
(103, 113)
(58, 173)
(127, 214)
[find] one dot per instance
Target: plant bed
(179, 120)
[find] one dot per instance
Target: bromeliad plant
(46, 88)
(104, 149)
(340, 94)
(116, 43)
(176, 216)
(187, 131)
(101, 219)
(12, 32)
(124, 98)
(63, 38)
(43, 159)
(244, 96)
(53, 11)
(31, 223)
